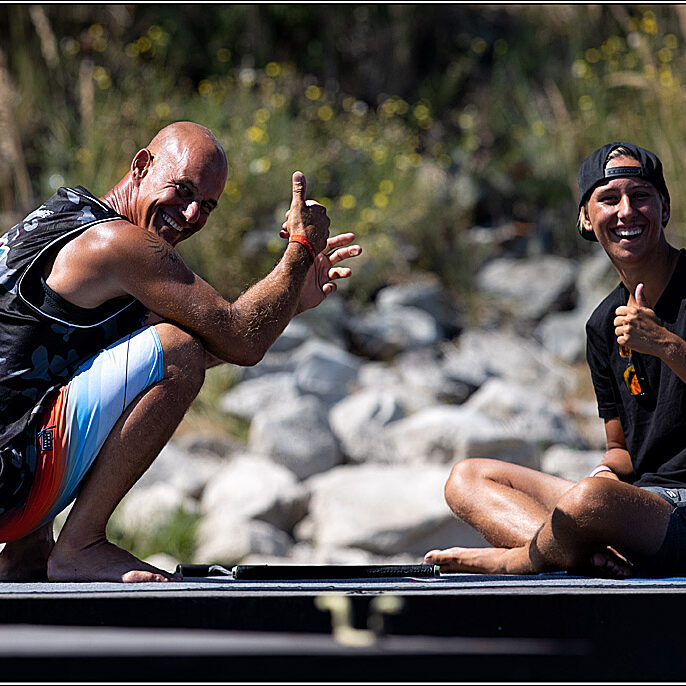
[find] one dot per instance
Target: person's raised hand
(637, 326)
(320, 280)
(306, 218)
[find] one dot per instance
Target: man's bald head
(178, 138)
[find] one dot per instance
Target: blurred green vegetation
(412, 123)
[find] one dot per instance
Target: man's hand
(638, 328)
(319, 282)
(306, 217)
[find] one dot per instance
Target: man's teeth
(171, 222)
(628, 233)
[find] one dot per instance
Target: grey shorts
(670, 560)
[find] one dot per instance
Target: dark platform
(453, 628)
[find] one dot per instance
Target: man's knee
(580, 509)
(463, 476)
(184, 356)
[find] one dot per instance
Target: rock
(530, 288)
(357, 419)
(207, 444)
(296, 333)
(424, 372)
(296, 435)
(227, 541)
(253, 487)
(146, 510)
(163, 561)
(570, 464)
(253, 395)
(382, 333)
(324, 370)
(446, 434)
(524, 411)
(480, 354)
(425, 294)
(186, 472)
(564, 334)
(347, 510)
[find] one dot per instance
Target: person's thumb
(640, 298)
(299, 189)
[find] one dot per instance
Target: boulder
(357, 419)
(252, 395)
(227, 541)
(144, 511)
(532, 287)
(381, 333)
(184, 471)
(386, 510)
(570, 464)
(524, 411)
(447, 434)
(296, 435)
(323, 370)
(254, 487)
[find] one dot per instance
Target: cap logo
(623, 171)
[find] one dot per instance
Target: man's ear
(585, 221)
(141, 164)
(666, 213)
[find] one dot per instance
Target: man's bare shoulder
(122, 242)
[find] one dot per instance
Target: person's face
(179, 189)
(627, 215)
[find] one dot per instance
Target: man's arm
(616, 457)
(121, 258)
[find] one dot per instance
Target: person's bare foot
(610, 564)
(101, 561)
(481, 560)
(27, 558)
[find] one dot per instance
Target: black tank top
(44, 338)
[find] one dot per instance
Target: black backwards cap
(592, 172)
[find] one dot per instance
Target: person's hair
(621, 151)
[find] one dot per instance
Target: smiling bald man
(105, 336)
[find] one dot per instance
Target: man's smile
(170, 222)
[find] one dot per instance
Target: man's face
(179, 190)
(627, 215)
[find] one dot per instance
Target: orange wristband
(297, 238)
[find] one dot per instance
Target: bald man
(105, 336)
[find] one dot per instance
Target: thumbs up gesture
(306, 218)
(637, 326)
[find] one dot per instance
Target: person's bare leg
(506, 503)
(594, 516)
(82, 551)
(27, 558)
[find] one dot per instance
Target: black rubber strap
(301, 572)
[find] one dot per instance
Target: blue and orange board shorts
(71, 432)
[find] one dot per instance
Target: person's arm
(119, 258)
(616, 462)
(638, 328)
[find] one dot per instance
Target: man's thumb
(640, 298)
(299, 188)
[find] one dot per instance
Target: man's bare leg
(594, 516)
(82, 551)
(504, 502)
(27, 558)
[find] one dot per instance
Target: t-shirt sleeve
(601, 373)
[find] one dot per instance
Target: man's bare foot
(481, 560)
(101, 561)
(27, 558)
(610, 564)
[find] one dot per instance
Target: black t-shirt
(654, 425)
